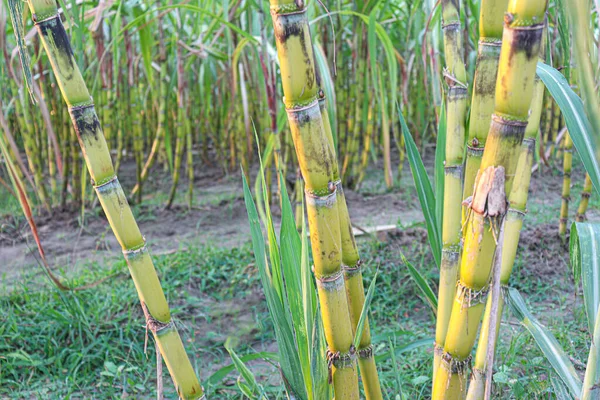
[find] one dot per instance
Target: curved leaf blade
(424, 191)
(576, 119)
(585, 261)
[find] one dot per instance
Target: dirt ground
(219, 218)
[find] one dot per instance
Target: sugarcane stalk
(566, 187)
(352, 267)
(521, 43)
(160, 128)
(586, 193)
(456, 106)
(513, 224)
(316, 159)
(112, 198)
(484, 85)
(180, 129)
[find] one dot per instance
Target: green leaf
(221, 373)
(576, 119)
(545, 341)
(406, 348)
(585, 261)
(145, 41)
(424, 191)
(248, 376)
(291, 259)
(422, 284)
(360, 327)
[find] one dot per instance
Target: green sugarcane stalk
(456, 106)
(352, 267)
(521, 43)
(586, 193)
(484, 85)
(513, 224)
(316, 159)
(566, 187)
(112, 198)
(160, 128)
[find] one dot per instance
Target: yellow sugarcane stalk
(512, 231)
(566, 188)
(585, 199)
(484, 85)
(521, 43)
(351, 265)
(456, 106)
(112, 198)
(316, 160)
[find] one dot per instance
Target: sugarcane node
(475, 143)
(351, 271)
(331, 186)
(330, 282)
(454, 366)
(437, 349)
(105, 185)
(477, 373)
(152, 323)
(366, 352)
(586, 195)
(566, 198)
(469, 296)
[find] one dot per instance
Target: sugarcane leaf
(322, 388)
(592, 370)
(145, 36)
(360, 327)
(424, 191)
(284, 335)
(406, 348)
(440, 156)
(585, 261)
(422, 284)
(545, 341)
(576, 119)
(222, 372)
(16, 18)
(560, 390)
(291, 259)
(241, 367)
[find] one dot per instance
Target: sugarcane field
(304, 200)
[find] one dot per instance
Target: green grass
(91, 343)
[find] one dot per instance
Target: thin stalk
(484, 85)
(456, 106)
(566, 188)
(352, 267)
(586, 193)
(112, 198)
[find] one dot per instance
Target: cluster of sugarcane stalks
(496, 181)
(169, 104)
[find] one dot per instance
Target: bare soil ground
(218, 217)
